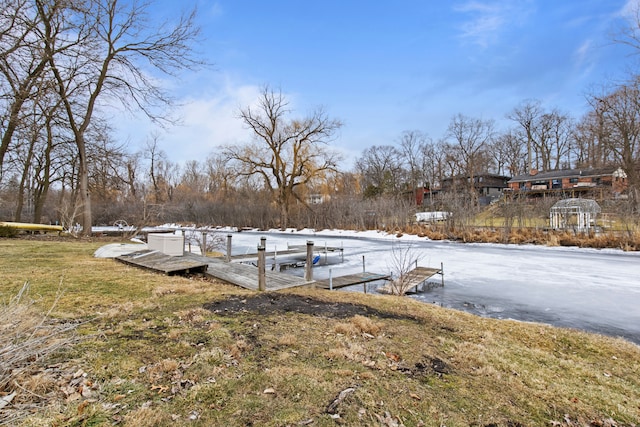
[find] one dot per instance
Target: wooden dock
(292, 250)
(167, 264)
(245, 276)
(413, 280)
(268, 255)
(351, 279)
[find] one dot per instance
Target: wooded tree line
(64, 64)
(540, 139)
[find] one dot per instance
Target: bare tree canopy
(618, 113)
(381, 169)
(629, 33)
(110, 50)
(470, 139)
(287, 153)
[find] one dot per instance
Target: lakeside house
(600, 183)
(488, 187)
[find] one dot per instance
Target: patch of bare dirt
(268, 303)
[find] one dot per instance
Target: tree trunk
(40, 197)
(84, 196)
(23, 182)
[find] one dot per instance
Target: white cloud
(630, 9)
(583, 52)
(216, 10)
(208, 121)
(487, 19)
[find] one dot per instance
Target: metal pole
(263, 242)
(326, 250)
(442, 273)
(330, 280)
(261, 269)
(308, 272)
(229, 237)
(363, 269)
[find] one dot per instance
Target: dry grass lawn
(160, 350)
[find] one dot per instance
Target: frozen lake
(589, 289)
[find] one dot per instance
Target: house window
(573, 180)
(556, 183)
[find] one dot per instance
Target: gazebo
(576, 214)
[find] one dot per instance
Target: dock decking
(245, 276)
(167, 264)
(412, 280)
(351, 279)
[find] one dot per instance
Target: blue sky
(383, 68)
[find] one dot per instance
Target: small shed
(575, 214)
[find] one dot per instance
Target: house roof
(488, 175)
(564, 173)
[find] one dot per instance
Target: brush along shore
(154, 350)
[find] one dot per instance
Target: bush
(6, 231)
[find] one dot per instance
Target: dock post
(204, 243)
(442, 273)
(263, 241)
(330, 280)
(308, 272)
(228, 257)
(261, 269)
(363, 265)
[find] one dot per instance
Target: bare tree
(526, 115)
(629, 32)
(381, 169)
(412, 146)
(507, 151)
(590, 136)
(470, 139)
(620, 113)
(404, 258)
(287, 153)
(552, 137)
(109, 50)
(22, 62)
(219, 176)
(432, 165)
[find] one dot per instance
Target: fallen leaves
(160, 388)
(78, 386)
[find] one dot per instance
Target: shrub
(6, 231)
